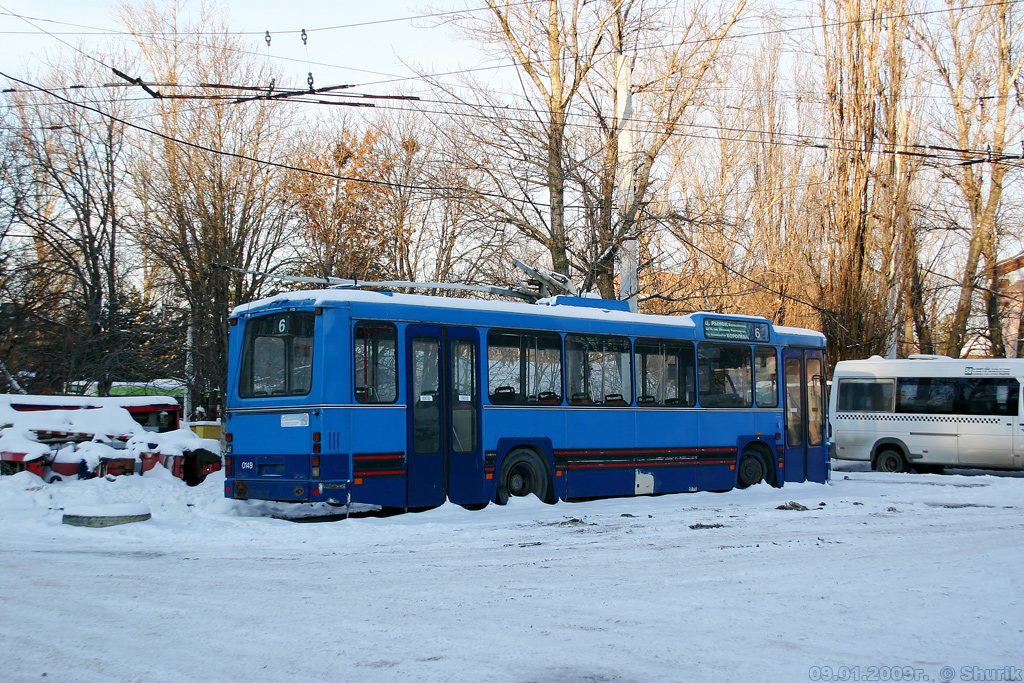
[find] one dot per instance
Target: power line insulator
(267, 38)
(303, 34)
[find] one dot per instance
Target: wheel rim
(520, 480)
(751, 471)
(888, 462)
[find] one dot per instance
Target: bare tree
(976, 54)
(205, 194)
(864, 224)
(554, 50)
(674, 57)
(341, 211)
(66, 193)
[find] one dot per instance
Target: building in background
(1011, 288)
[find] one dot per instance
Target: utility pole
(189, 371)
(628, 259)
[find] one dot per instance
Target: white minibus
(928, 412)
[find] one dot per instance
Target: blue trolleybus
(351, 396)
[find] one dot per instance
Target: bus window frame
(396, 350)
(686, 395)
(765, 351)
(520, 395)
(879, 381)
(1010, 403)
(749, 403)
(618, 399)
(253, 334)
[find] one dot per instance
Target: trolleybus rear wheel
(522, 473)
(891, 460)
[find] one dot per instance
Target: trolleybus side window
(794, 411)
(464, 383)
(277, 356)
(426, 408)
(665, 373)
(524, 367)
(598, 370)
(723, 375)
(766, 377)
(815, 404)
(375, 373)
(865, 396)
(463, 399)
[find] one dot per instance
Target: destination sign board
(736, 330)
(990, 371)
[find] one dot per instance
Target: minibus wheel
(891, 460)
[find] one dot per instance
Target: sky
(365, 48)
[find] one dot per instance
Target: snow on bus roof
(549, 307)
(783, 329)
(552, 306)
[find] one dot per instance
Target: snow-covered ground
(892, 576)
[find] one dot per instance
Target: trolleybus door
(805, 448)
(464, 454)
(444, 410)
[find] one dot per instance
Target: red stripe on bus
(597, 465)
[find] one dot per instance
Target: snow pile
(101, 423)
(169, 443)
(21, 440)
(873, 577)
(32, 403)
(92, 434)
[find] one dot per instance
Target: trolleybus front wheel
(891, 460)
(523, 473)
(751, 470)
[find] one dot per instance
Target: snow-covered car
(65, 437)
